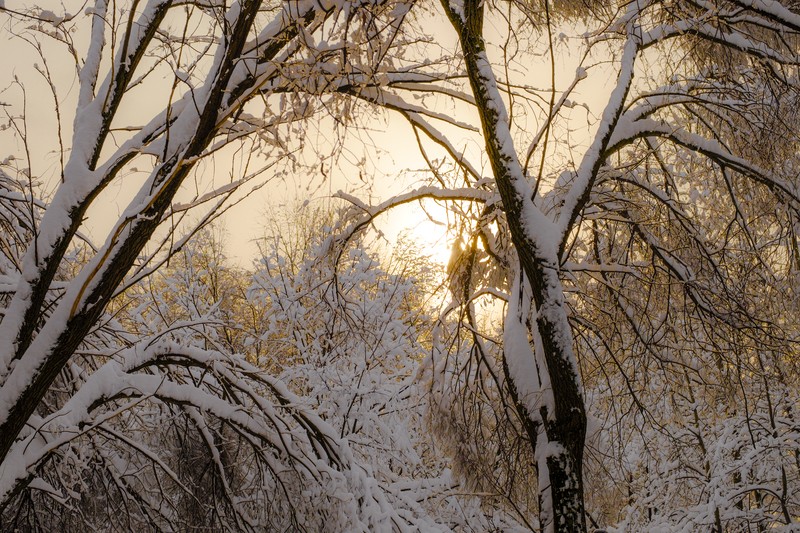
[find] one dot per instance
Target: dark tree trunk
(565, 428)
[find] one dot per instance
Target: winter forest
(613, 345)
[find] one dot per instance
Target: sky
(23, 90)
(384, 143)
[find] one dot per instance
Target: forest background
(612, 344)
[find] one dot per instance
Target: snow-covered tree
(680, 207)
(643, 251)
(94, 396)
(354, 330)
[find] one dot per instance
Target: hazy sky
(385, 142)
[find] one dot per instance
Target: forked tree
(629, 204)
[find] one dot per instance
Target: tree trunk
(534, 238)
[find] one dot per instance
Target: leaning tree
(164, 93)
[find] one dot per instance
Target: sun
(424, 230)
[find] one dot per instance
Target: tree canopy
(612, 346)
